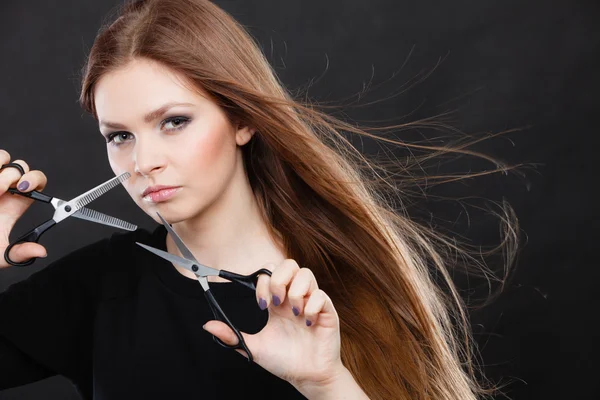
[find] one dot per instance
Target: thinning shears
(63, 209)
(201, 271)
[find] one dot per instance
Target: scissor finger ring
(14, 165)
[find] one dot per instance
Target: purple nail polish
(295, 311)
(276, 300)
(262, 303)
(308, 323)
(23, 186)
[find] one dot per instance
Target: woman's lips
(161, 195)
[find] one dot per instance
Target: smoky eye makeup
(117, 137)
(173, 123)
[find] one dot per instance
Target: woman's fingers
(4, 157)
(10, 175)
(317, 305)
(263, 294)
(14, 206)
(302, 286)
(287, 282)
(280, 279)
(32, 180)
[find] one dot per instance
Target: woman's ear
(243, 134)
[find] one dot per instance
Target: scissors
(63, 209)
(202, 271)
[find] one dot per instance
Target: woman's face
(167, 137)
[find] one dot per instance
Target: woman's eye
(118, 137)
(175, 123)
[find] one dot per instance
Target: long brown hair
(404, 336)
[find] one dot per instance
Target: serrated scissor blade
(74, 205)
(98, 217)
(91, 195)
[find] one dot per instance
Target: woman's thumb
(24, 251)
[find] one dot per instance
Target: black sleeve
(46, 320)
(17, 368)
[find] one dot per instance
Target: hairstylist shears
(64, 209)
(201, 272)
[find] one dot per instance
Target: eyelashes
(183, 121)
(110, 138)
(176, 123)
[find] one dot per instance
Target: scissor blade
(187, 264)
(92, 194)
(203, 282)
(180, 245)
(64, 210)
(98, 217)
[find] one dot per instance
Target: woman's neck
(231, 234)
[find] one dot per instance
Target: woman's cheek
(212, 151)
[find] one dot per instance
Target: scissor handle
(34, 194)
(220, 315)
(13, 165)
(31, 236)
(247, 280)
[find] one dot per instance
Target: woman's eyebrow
(149, 117)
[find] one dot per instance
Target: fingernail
(262, 303)
(44, 256)
(276, 300)
(308, 323)
(23, 186)
(204, 326)
(295, 311)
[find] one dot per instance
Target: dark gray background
(499, 65)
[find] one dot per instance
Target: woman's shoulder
(120, 265)
(108, 251)
(105, 267)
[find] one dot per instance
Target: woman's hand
(301, 341)
(12, 207)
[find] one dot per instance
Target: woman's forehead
(141, 86)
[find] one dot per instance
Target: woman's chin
(169, 212)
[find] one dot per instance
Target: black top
(122, 323)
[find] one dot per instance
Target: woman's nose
(149, 157)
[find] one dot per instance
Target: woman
(249, 179)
